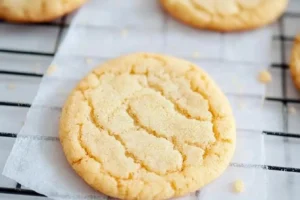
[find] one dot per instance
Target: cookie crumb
(51, 69)
(124, 32)
(265, 77)
(239, 186)
(11, 86)
(89, 61)
(292, 110)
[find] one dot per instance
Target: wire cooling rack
(27, 50)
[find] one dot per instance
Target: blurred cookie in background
(295, 62)
(35, 11)
(225, 15)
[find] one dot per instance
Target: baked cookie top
(36, 10)
(225, 15)
(147, 126)
(295, 62)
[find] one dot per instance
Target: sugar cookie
(36, 10)
(225, 15)
(147, 126)
(295, 62)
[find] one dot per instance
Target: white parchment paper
(105, 29)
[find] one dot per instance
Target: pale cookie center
(225, 7)
(145, 121)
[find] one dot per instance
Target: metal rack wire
(283, 66)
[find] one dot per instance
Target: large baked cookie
(147, 126)
(225, 15)
(295, 62)
(36, 10)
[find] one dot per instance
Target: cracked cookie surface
(36, 10)
(225, 15)
(147, 126)
(295, 62)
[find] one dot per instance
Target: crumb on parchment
(51, 69)
(265, 77)
(239, 186)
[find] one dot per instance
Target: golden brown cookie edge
(224, 25)
(12, 18)
(295, 62)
